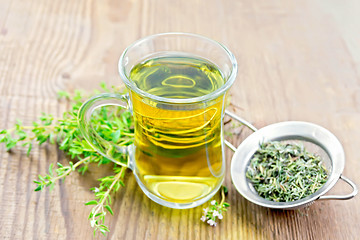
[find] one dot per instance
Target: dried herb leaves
(284, 172)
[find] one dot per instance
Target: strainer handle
(342, 197)
(242, 121)
(239, 119)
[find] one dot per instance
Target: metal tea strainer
(315, 139)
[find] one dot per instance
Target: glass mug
(177, 84)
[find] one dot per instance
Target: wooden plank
(297, 61)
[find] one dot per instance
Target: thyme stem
(67, 172)
(222, 196)
(116, 179)
(98, 213)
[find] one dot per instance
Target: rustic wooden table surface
(298, 60)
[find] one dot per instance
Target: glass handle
(107, 149)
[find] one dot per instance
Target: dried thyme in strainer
(284, 172)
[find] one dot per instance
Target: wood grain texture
(298, 60)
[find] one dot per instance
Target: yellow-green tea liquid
(179, 155)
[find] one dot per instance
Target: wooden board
(298, 60)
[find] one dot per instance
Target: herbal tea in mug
(178, 150)
(177, 86)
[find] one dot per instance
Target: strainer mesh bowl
(316, 140)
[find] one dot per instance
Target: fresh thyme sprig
(65, 133)
(109, 184)
(284, 172)
(62, 171)
(215, 210)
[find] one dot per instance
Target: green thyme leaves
(284, 172)
(64, 132)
